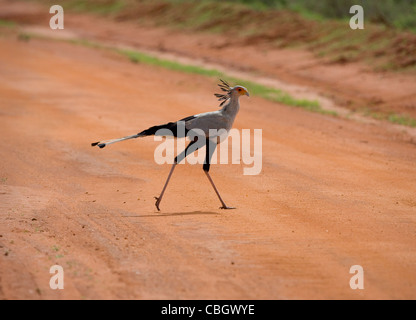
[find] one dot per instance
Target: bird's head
(239, 91)
(236, 91)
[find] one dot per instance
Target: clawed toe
(157, 203)
(226, 208)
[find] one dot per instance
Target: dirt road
(333, 193)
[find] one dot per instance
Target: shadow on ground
(172, 214)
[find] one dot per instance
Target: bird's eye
(239, 89)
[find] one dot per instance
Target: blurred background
(388, 41)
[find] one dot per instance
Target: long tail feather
(104, 143)
(172, 126)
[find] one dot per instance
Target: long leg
(159, 199)
(178, 159)
(210, 148)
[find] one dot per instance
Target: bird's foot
(157, 203)
(227, 208)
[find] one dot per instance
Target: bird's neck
(232, 107)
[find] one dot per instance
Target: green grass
(7, 23)
(139, 57)
(98, 7)
(86, 43)
(400, 119)
(400, 14)
(255, 89)
(280, 96)
(23, 36)
(319, 26)
(403, 120)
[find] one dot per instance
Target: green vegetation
(139, 57)
(399, 14)
(23, 36)
(280, 96)
(96, 6)
(86, 43)
(7, 23)
(266, 92)
(256, 89)
(401, 119)
(319, 26)
(393, 13)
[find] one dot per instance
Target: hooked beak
(247, 94)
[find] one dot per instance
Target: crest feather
(224, 86)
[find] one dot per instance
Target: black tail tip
(101, 145)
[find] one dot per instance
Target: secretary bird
(215, 121)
